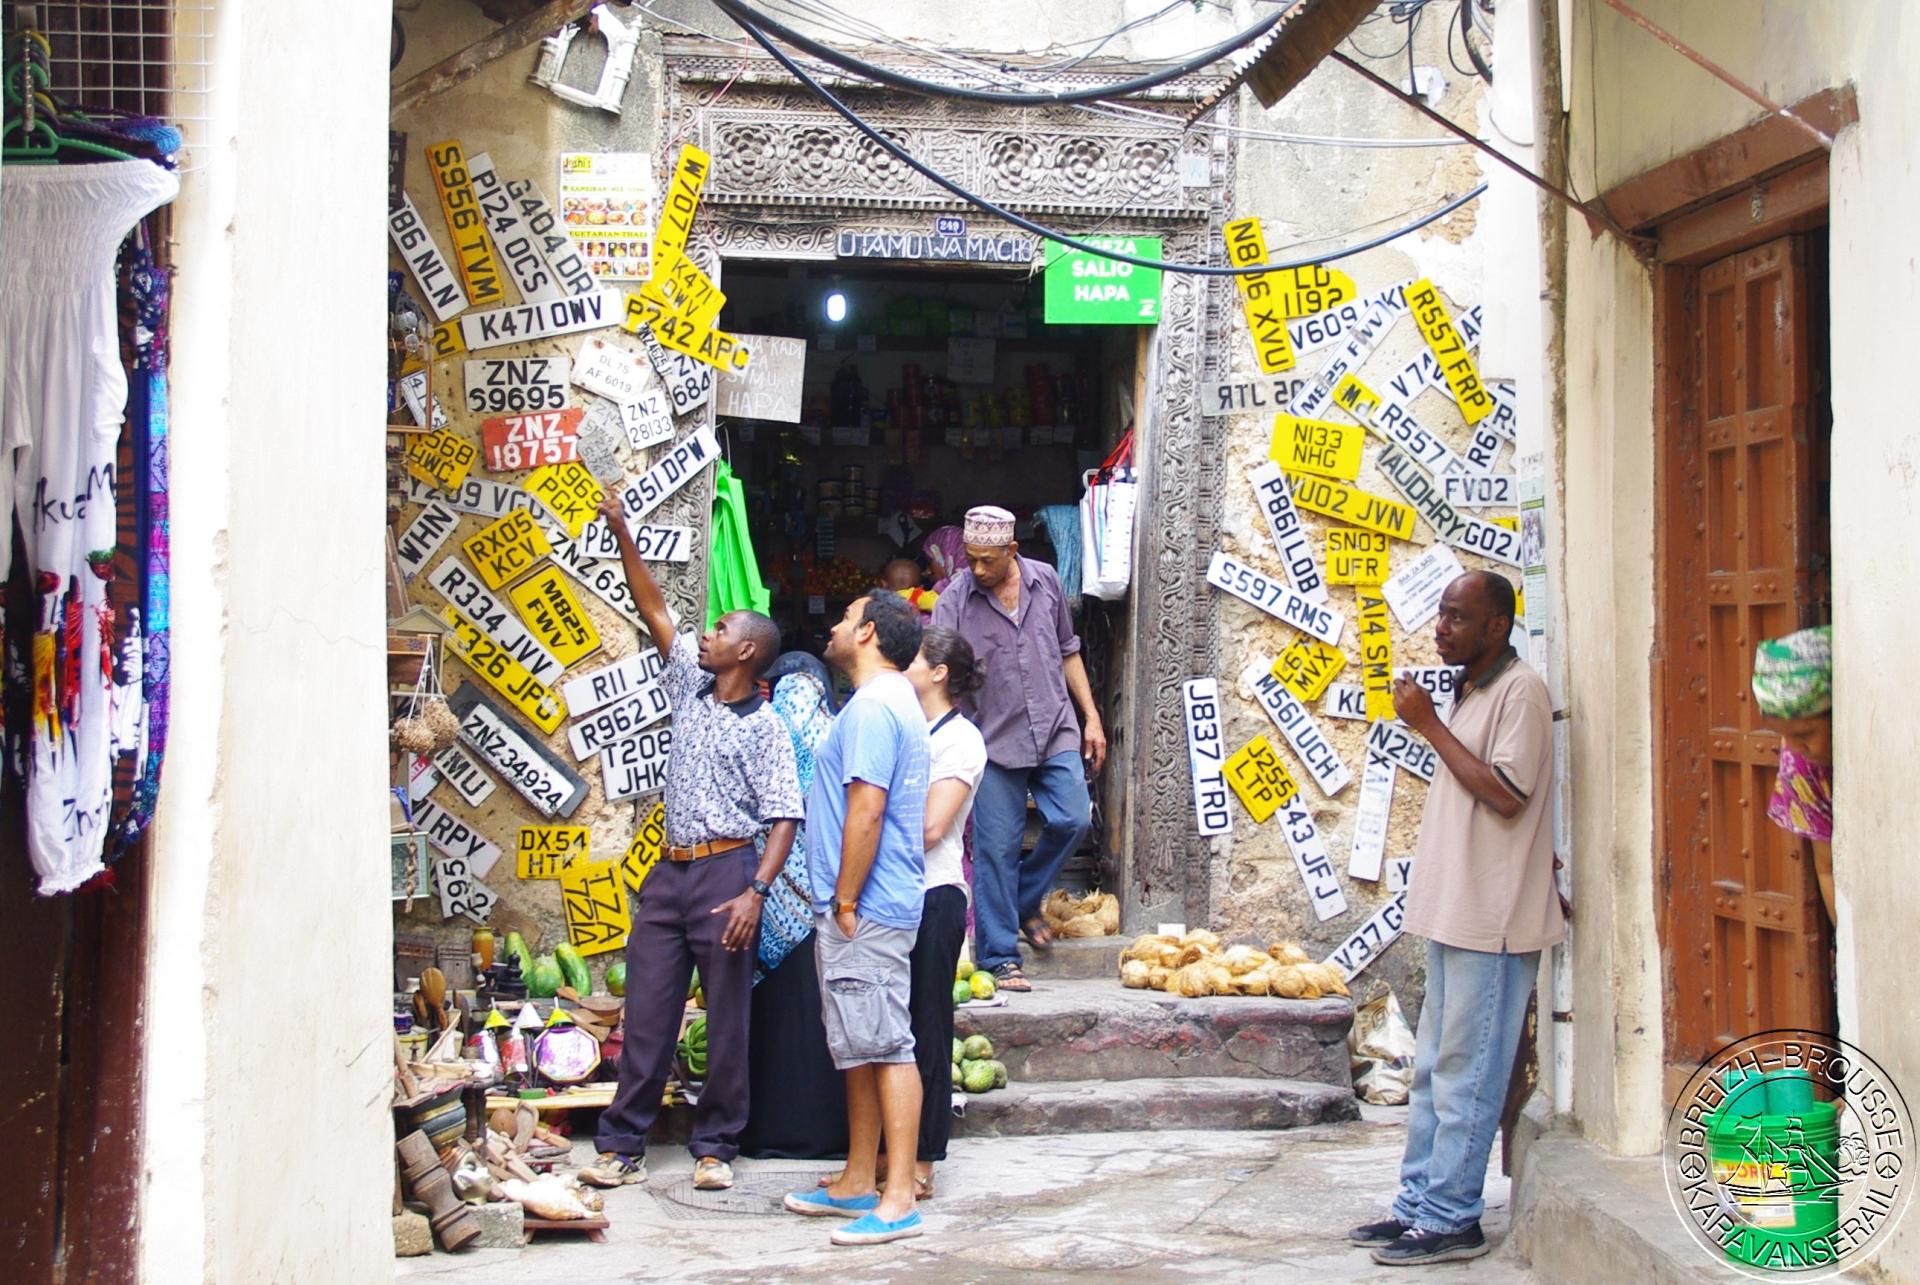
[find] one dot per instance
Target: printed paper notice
(607, 204)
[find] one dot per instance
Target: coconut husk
(1157, 976)
(441, 721)
(413, 735)
(1081, 926)
(1191, 953)
(1058, 907)
(1201, 937)
(1134, 974)
(1193, 981)
(1106, 909)
(1289, 952)
(1251, 983)
(1285, 980)
(1168, 956)
(1148, 947)
(1244, 959)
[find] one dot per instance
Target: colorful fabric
(946, 553)
(1802, 801)
(800, 699)
(1793, 676)
(729, 770)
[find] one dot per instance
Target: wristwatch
(761, 888)
(846, 907)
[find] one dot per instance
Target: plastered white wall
(266, 1142)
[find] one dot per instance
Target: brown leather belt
(711, 849)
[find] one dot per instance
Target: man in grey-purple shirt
(1013, 611)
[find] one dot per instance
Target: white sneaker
(712, 1174)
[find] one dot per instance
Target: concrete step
(1099, 1030)
(1076, 959)
(1025, 1109)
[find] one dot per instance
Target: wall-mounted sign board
(929, 246)
(1085, 289)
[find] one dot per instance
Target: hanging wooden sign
(546, 850)
(595, 904)
(570, 492)
(1259, 779)
(1244, 582)
(530, 768)
(472, 249)
(507, 676)
(1205, 755)
(637, 765)
(555, 617)
(1323, 762)
(620, 721)
(426, 261)
(463, 591)
(1311, 859)
(1450, 350)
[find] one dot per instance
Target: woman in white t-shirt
(943, 672)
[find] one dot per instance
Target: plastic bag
(1380, 1047)
(1106, 525)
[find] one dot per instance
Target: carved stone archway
(789, 174)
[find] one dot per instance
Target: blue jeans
(1007, 890)
(1470, 1026)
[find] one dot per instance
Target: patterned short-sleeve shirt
(730, 771)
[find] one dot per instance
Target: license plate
(1234, 396)
(530, 441)
(1345, 700)
(463, 591)
(570, 492)
(543, 851)
(1484, 449)
(1371, 939)
(1442, 682)
(456, 838)
(1290, 539)
(1370, 819)
(1311, 859)
(1450, 350)
(714, 348)
(1395, 741)
(601, 687)
(1376, 653)
(534, 772)
(413, 391)
(620, 376)
(606, 581)
(648, 846)
(1316, 446)
(461, 892)
(1353, 506)
(680, 286)
(637, 766)
(524, 322)
(472, 250)
(1423, 372)
(656, 543)
(1353, 396)
(1505, 419)
(676, 468)
(423, 537)
(519, 248)
(554, 616)
(426, 261)
(1463, 531)
(1414, 590)
(620, 721)
(1310, 288)
(648, 420)
(688, 382)
(677, 208)
(1356, 557)
(1399, 873)
(1480, 491)
(1260, 297)
(1308, 740)
(1307, 667)
(1269, 595)
(1396, 424)
(575, 277)
(507, 676)
(594, 905)
(1353, 354)
(467, 778)
(1205, 753)
(507, 548)
(516, 385)
(480, 497)
(441, 458)
(1259, 779)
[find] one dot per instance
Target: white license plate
(599, 688)
(606, 581)
(518, 247)
(1310, 858)
(1442, 682)
(649, 420)
(1277, 600)
(528, 321)
(1397, 742)
(1344, 700)
(636, 766)
(1268, 393)
(456, 838)
(656, 543)
(1290, 539)
(611, 371)
(1323, 762)
(1396, 424)
(463, 590)
(1399, 873)
(676, 468)
(413, 391)
(1371, 939)
(1312, 401)
(1205, 753)
(423, 537)
(461, 892)
(619, 721)
(516, 385)
(574, 275)
(496, 737)
(1480, 491)
(466, 777)
(1463, 531)
(1414, 590)
(1370, 819)
(429, 266)
(480, 497)
(689, 383)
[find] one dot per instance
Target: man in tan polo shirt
(1483, 895)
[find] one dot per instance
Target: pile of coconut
(1195, 965)
(1095, 915)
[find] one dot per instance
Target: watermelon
(617, 978)
(545, 979)
(573, 968)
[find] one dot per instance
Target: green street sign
(1093, 290)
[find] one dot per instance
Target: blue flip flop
(816, 1203)
(874, 1230)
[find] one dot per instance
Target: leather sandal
(1038, 935)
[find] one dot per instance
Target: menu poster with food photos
(607, 205)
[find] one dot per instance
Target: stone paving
(1167, 1205)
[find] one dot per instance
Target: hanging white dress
(64, 398)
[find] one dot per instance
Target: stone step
(1076, 959)
(1099, 1030)
(1025, 1109)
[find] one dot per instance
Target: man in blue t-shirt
(867, 870)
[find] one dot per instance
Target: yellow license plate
(490, 662)
(441, 459)
(570, 491)
(1376, 655)
(716, 348)
(1259, 297)
(545, 851)
(1356, 557)
(681, 203)
(472, 248)
(507, 548)
(649, 844)
(1259, 779)
(679, 286)
(546, 604)
(1349, 504)
(1316, 446)
(595, 903)
(1309, 666)
(1450, 350)
(1355, 398)
(1303, 291)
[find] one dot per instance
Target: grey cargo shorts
(866, 982)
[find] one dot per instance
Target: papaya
(617, 978)
(545, 979)
(517, 947)
(573, 968)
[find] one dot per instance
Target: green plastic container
(1779, 1167)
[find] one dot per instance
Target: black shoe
(1419, 1247)
(1384, 1232)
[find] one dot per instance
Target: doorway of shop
(926, 389)
(1743, 556)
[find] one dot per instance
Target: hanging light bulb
(836, 307)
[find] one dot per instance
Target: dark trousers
(936, 952)
(675, 929)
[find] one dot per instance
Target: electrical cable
(1466, 38)
(1041, 230)
(751, 19)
